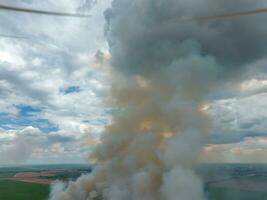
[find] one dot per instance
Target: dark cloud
(21, 84)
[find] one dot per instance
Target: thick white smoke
(163, 73)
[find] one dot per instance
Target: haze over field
(147, 88)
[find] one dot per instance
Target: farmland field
(32, 182)
(13, 190)
(221, 182)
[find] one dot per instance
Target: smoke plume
(163, 74)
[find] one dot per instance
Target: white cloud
(58, 53)
(253, 84)
(19, 146)
(239, 117)
(250, 150)
(30, 145)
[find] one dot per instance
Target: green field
(234, 194)
(13, 190)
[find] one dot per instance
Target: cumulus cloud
(249, 150)
(237, 118)
(31, 145)
(57, 55)
(18, 148)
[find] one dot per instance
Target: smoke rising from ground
(163, 73)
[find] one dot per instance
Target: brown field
(32, 180)
(33, 177)
(34, 174)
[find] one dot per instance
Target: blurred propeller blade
(232, 15)
(42, 12)
(12, 36)
(220, 17)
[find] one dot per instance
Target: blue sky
(53, 88)
(72, 89)
(26, 116)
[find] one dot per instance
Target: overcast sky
(54, 83)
